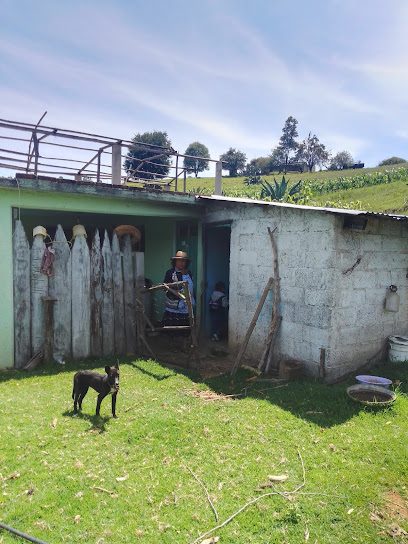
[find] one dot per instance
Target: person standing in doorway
(218, 311)
(176, 311)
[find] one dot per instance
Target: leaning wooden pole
(191, 321)
(251, 327)
(266, 358)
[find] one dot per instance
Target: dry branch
(206, 492)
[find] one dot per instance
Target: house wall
(359, 324)
(159, 217)
(305, 243)
(320, 305)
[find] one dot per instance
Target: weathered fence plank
(129, 296)
(22, 298)
(107, 298)
(118, 309)
(96, 296)
(39, 288)
(60, 285)
(81, 315)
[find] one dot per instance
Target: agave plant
(280, 190)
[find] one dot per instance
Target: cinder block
(320, 297)
(352, 298)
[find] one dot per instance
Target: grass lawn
(100, 480)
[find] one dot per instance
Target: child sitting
(218, 310)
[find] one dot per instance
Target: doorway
(217, 241)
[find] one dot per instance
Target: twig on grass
(284, 493)
(206, 492)
(102, 489)
(130, 407)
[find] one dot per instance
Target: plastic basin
(374, 380)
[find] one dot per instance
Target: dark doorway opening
(217, 240)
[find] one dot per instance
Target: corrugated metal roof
(341, 211)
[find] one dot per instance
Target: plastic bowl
(372, 395)
(374, 380)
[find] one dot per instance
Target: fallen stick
(206, 492)
(133, 406)
(102, 489)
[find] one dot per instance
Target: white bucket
(398, 352)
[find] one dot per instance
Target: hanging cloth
(47, 262)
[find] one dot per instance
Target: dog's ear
(117, 364)
(107, 370)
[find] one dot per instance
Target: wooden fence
(94, 314)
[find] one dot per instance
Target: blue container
(374, 380)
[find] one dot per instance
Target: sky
(226, 73)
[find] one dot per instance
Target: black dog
(102, 384)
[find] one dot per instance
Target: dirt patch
(396, 505)
(210, 395)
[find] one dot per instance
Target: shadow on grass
(97, 422)
(308, 399)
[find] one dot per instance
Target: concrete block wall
(321, 304)
(306, 259)
(359, 324)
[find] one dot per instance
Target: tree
(312, 152)
(259, 166)
(287, 143)
(152, 160)
(276, 159)
(196, 165)
(234, 161)
(391, 160)
(341, 161)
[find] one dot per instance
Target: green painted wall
(158, 217)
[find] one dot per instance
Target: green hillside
(381, 189)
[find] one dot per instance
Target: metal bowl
(371, 395)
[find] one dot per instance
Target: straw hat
(181, 255)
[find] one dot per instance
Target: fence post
(48, 303)
(218, 178)
(116, 164)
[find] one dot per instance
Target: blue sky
(224, 72)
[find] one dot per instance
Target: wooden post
(118, 309)
(22, 296)
(39, 288)
(81, 314)
(251, 327)
(107, 298)
(48, 303)
(116, 164)
(60, 286)
(185, 181)
(129, 297)
(96, 297)
(218, 178)
(322, 364)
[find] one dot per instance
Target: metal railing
(48, 151)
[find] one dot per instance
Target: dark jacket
(172, 276)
